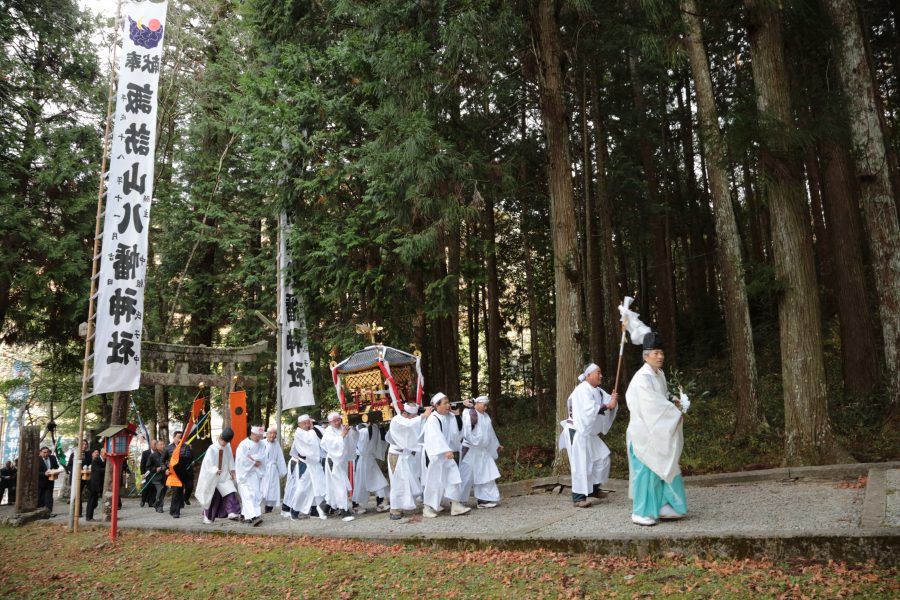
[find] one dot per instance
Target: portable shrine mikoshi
(372, 383)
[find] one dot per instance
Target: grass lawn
(43, 561)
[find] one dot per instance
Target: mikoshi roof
(367, 358)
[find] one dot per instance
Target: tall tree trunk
(593, 285)
(451, 320)
(493, 299)
(758, 226)
(821, 246)
(663, 277)
(695, 259)
(808, 436)
(472, 303)
(609, 290)
(161, 404)
(534, 326)
(872, 161)
(731, 270)
(859, 345)
(569, 353)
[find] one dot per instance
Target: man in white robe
(339, 444)
(274, 470)
(249, 465)
(477, 466)
(367, 475)
(404, 437)
(591, 413)
(306, 487)
(442, 479)
(216, 489)
(654, 439)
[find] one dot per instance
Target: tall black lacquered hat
(227, 435)
(652, 341)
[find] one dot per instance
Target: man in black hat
(216, 489)
(655, 439)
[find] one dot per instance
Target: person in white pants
(249, 461)
(442, 479)
(477, 466)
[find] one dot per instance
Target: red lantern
(117, 440)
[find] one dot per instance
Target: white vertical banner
(129, 191)
(296, 376)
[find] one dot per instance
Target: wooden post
(27, 479)
(117, 478)
(228, 374)
(111, 478)
(162, 413)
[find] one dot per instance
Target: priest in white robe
(306, 487)
(216, 488)
(339, 444)
(591, 414)
(274, 469)
(654, 439)
(367, 476)
(404, 439)
(442, 479)
(249, 463)
(480, 446)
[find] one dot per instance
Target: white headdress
(482, 400)
(436, 399)
(587, 371)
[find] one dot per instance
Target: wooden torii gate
(183, 356)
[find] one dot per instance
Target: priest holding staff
(654, 439)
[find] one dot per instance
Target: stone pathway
(811, 512)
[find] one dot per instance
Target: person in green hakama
(654, 439)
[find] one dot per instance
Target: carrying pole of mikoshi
(75, 498)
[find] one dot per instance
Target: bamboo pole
(75, 500)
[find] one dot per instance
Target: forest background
(488, 180)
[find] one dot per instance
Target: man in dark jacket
(148, 495)
(8, 482)
(85, 458)
(95, 485)
(85, 463)
(156, 467)
(48, 470)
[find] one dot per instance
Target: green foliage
(372, 124)
(49, 159)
